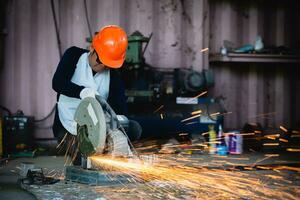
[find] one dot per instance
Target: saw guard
(117, 144)
(90, 113)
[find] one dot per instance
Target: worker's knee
(134, 131)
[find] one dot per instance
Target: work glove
(87, 92)
(122, 119)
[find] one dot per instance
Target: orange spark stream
(224, 184)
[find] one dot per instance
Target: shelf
(254, 58)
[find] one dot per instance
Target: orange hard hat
(111, 44)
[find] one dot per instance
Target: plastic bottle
(212, 139)
(221, 148)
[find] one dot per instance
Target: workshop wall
(177, 27)
(30, 58)
(264, 93)
(31, 50)
(180, 30)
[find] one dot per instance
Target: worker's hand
(87, 92)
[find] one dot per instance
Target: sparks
(214, 114)
(203, 50)
(199, 95)
(293, 150)
(271, 144)
(160, 107)
(271, 155)
(196, 112)
(282, 128)
(283, 140)
(195, 116)
(167, 175)
(161, 116)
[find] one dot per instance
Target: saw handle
(115, 124)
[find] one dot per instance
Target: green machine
(135, 51)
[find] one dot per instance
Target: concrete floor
(14, 192)
(9, 175)
(52, 165)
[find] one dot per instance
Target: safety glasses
(97, 59)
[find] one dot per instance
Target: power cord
(43, 119)
(5, 109)
(56, 28)
(87, 18)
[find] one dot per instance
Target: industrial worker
(82, 73)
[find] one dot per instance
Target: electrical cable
(5, 109)
(59, 44)
(56, 28)
(60, 54)
(144, 50)
(87, 18)
(43, 119)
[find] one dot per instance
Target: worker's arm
(116, 98)
(61, 81)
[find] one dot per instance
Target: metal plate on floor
(94, 177)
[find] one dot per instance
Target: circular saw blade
(117, 143)
(90, 113)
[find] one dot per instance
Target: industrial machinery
(188, 81)
(148, 88)
(99, 130)
(143, 80)
(135, 51)
(17, 135)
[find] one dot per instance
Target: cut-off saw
(100, 130)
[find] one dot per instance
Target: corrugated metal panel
(30, 58)
(31, 53)
(177, 34)
(180, 30)
(261, 93)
